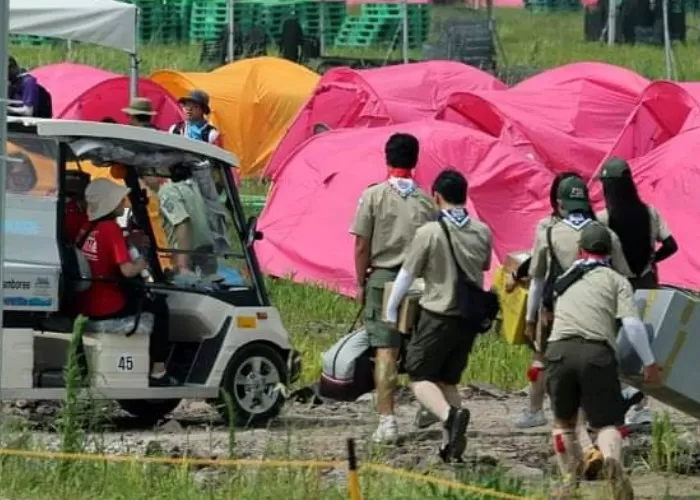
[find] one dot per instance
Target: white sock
(582, 436)
(158, 374)
(610, 442)
(566, 451)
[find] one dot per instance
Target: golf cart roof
(75, 129)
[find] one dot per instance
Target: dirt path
(319, 432)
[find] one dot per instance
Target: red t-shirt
(105, 250)
(74, 221)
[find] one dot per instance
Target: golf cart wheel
(251, 381)
(148, 410)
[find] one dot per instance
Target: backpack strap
(565, 281)
(441, 221)
(179, 128)
(552, 256)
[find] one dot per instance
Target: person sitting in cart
(107, 253)
(75, 216)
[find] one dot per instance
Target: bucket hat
(197, 97)
(140, 106)
(103, 197)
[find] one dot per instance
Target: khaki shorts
(583, 374)
(439, 349)
(380, 334)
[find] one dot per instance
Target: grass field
(316, 317)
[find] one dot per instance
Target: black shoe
(634, 400)
(164, 381)
(456, 426)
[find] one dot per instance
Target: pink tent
(346, 98)
(82, 92)
(312, 204)
(667, 178)
(664, 110)
(567, 118)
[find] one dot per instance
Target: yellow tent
(253, 101)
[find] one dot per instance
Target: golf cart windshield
(185, 204)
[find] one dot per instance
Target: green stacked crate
(28, 40)
(151, 20)
(246, 14)
(273, 14)
(208, 19)
(381, 23)
(310, 18)
(176, 21)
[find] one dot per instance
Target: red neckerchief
(591, 256)
(401, 173)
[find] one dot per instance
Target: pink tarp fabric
(667, 178)
(346, 98)
(567, 118)
(311, 206)
(82, 92)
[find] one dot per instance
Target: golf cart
(225, 337)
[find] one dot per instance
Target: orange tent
(253, 101)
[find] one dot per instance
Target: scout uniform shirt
(389, 218)
(659, 232)
(180, 201)
(590, 307)
(565, 239)
(430, 258)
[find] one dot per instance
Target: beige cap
(103, 196)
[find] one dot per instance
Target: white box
(672, 317)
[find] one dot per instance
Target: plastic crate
(28, 40)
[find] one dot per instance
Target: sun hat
(103, 196)
(614, 168)
(140, 106)
(595, 238)
(197, 97)
(573, 194)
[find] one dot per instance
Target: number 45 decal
(125, 363)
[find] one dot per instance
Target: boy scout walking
(437, 352)
(387, 218)
(582, 370)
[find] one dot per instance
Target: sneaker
(639, 417)
(531, 419)
(164, 381)
(424, 418)
(456, 426)
(619, 482)
(387, 431)
(631, 398)
(591, 464)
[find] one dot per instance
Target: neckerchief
(405, 187)
(458, 216)
(576, 220)
(587, 260)
(194, 130)
(401, 173)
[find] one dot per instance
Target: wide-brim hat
(140, 106)
(197, 97)
(103, 196)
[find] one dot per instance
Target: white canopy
(101, 22)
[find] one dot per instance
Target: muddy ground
(305, 430)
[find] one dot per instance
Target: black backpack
(45, 107)
(555, 270)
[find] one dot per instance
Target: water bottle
(135, 254)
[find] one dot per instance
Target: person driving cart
(103, 244)
(183, 215)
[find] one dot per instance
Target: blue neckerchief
(458, 216)
(590, 262)
(577, 220)
(405, 187)
(195, 129)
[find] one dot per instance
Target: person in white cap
(106, 250)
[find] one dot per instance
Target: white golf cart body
(220, 335)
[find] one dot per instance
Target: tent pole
(322, 27)
(230, 50)
(612, 11)
(404, 31)
(667, 41)
(134, 63)
(4, 54)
